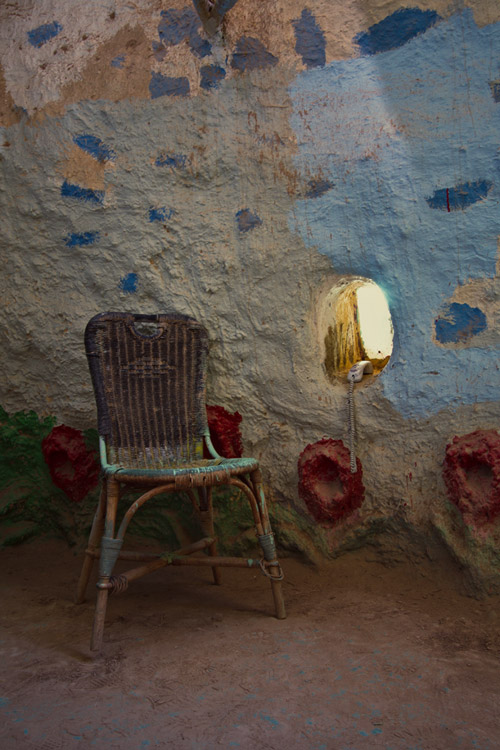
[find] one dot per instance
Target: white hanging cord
(351, 425)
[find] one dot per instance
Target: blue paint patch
(211, 76)
(128, 283)
(395, 30)
(459, 323)
(495, 90)
(161, 85)
(84, 238)
(461, 196)
(118, 61)
(160, 214)
(176, 161)
(42, 34)
(220, 9)
(199, 46)
(310, 42)
(247, 220)
(159, 50)
(95, 147)
(68, 190)
(318, 187)
(376, 211)
(176, 25)
(251, 54)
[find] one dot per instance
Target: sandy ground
(374, 654)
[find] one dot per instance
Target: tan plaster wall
(257, 292)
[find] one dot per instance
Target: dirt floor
(374, 654)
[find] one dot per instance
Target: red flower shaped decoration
(224, 432)
(73, 468)
(471, 472)
(326, 484)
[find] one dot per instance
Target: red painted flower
(224, 432)
(72, 466)
(471, 472)
(326, 484)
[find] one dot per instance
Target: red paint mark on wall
(448, 200)
(326, 485)
(224, 432)
(73, 468)
(471, 472)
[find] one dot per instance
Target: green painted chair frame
(148, 374)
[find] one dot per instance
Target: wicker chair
(148, 373)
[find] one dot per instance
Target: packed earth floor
(377, 652)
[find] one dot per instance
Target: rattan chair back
(148, 373)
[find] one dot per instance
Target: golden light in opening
(374, 321)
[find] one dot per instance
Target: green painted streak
(31, 506)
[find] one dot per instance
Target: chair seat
(218, 467)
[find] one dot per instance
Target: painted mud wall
(237, 177)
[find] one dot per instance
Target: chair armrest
(210, 446)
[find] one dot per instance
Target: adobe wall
(237, 177)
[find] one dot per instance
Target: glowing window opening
(356, 325)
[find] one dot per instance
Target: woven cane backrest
(148, 373)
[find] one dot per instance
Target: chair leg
(279, 601)
(110, 549)
(99, 617)
(273, 571)
(266, 540)
(207, 525)
(93, 544)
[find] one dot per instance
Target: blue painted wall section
(459, 323)
(161, 85)
(79, 240)
(176, 25)
(160, 214)
(412, 127)
(310, 41)
(250, 54)
(175, 161)
(211, 76)
(395, 30)
(68, 190)
(95, 147)
(247, 220)
(118, 61)
(461, 196)
(42, 34)
(317, 187)
(129, 283)
(221, 6)
(495, 90)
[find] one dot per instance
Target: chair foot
(217, 576)
(99, 617)
(216, 572)
(279, 601)
(272, 569)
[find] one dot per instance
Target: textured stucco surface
(236, 178)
